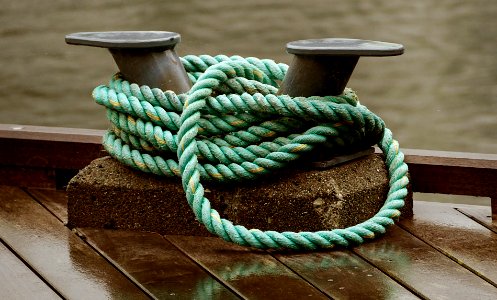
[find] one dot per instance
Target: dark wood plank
(455, 235)
(49, 147)
(45, 157)
(27, 177)
(53, 200)
(30, 132)
(493, 204)
(420, 267)
(480, 214)
(156, 264)
(317, 268)
(48, 154)
(453, 173)
(254, 274)
(344, 275)
(18, 282)
(64, 261)
(68, 148)
(449, 158)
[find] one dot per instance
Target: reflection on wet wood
(422, 268)
(480, 214)
(402, 264)
(337, 273)
(474, 246)
(254, 274)
(54, 200)
(156, 264)
(68, 264)
(18, 282)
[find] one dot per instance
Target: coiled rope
(231, 126)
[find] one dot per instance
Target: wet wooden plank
(344, 275)
(17, 281)
(253, 274)
(424, 269)
(156, 264)
(480, 214)
(64, 261)
(53, 200)
(457, 236)
(332, 272)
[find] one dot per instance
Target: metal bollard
(322, 67)
(143, 57)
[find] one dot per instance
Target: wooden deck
(447, 251)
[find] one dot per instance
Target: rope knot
(232, 126)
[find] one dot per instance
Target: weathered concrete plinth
(107, 194)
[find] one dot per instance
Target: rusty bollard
(143, 57)
(109, 195)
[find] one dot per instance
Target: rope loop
(231, 126)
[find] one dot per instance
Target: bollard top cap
(342, 46)
(125, 39)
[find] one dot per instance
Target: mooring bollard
(143, 57)
(107, 194)
(322, 67)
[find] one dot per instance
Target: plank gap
(154, 263)
(253, 273)
(423, 268)
(59, 256)
(401, 283)
(205, 268)
(459, 238)
(332, 264)
(81, 234)
(449, 255)
(477, 215)
(30, 268)
(397, 279)
(45, 198)
(316, 286)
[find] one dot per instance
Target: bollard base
(107, 194)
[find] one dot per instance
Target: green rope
(231, 126)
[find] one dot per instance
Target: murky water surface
(441, 94)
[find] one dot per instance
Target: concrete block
(107, 194)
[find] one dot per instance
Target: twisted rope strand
(231, 126)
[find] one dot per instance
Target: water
(441, 94)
